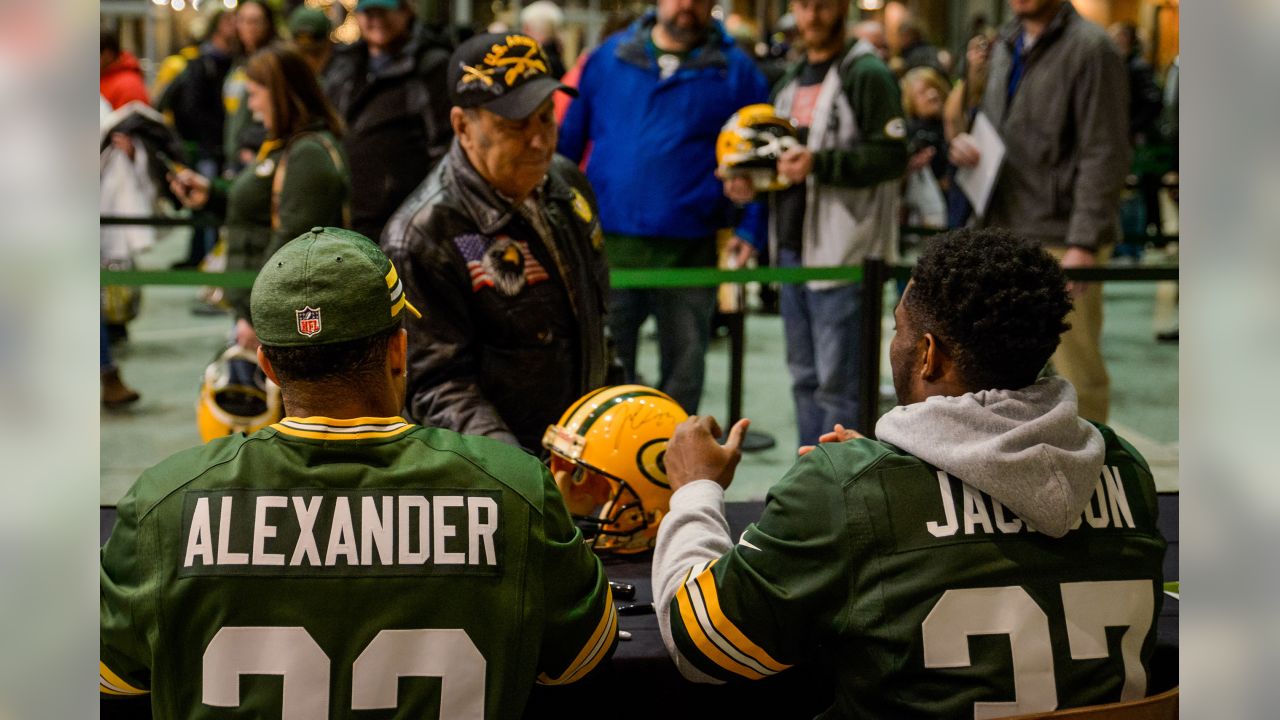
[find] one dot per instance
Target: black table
(641, 682)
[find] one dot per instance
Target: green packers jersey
(322, 567)
(927, 597)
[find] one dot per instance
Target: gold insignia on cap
(580, 206)
(518, 64)
(475, 74)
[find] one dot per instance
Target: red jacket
(122, 82)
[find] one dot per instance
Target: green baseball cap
(310, 22)
(326, 286)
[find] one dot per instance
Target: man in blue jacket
(651, 102)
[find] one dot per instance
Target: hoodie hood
(1027, 448)
(125, 63)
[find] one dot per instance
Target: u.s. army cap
(505, 73)
(326, 286)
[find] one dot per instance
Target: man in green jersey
(344, 559)
(991, 555)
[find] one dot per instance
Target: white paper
(978, 181)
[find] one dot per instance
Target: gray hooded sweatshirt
(1027, 448)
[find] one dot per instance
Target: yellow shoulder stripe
(593, 651)
(112, 684)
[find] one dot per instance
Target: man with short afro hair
(990, 554)
(999, 307)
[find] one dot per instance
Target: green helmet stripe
(568, 416)
(605, 406)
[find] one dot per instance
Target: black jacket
(195, 98)
(505, 345)
(397, 121)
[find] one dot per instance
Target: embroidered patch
(509, 62)
(896, 128)
(501, 263)
(265, 168)
(519, 55)
(581, 207)
(308, 321)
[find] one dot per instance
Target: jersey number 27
(1089, 608)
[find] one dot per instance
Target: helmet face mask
(236, 396)
(607, 457)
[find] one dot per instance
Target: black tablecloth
(641, 681)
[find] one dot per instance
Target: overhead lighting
(179, 5)
(870, 4)
(229, 4)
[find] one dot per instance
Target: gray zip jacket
(852, 196)
(1066, 134)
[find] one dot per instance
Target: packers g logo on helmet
(607, 455)
(750, 144)
(236, 396)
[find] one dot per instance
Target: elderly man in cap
(503, 243)
(274, 554)
(389, 87)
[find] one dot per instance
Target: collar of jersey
(361, 428)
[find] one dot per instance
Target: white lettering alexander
(357, 531)
(976, 513)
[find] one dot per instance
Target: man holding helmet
(840, 208)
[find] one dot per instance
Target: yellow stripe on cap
(111, 683)
(701, 640)
(393, 279)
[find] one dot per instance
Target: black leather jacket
(397, 121)
(505, 343)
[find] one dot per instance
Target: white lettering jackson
(976, 513)
(393, 530)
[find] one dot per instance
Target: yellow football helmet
(236, 396)
(607, 456)
(750, 144)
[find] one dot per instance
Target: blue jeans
(684, 331)
(822, 328)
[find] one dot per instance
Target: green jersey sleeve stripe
(697, 631)
(701, 590)
(595, 648)
(111, 684)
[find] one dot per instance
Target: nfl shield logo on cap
(308, 321)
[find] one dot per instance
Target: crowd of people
(447, 180)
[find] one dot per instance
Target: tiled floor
(169, 348)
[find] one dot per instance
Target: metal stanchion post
(754, 440)
(873, 277)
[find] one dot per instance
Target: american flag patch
(500, 262)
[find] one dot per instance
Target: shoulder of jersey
(510, 466)
(161, 479)
(1119, 449)
(854, 457)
